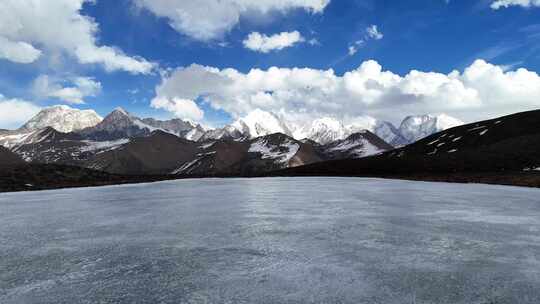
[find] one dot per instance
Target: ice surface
(272, 240)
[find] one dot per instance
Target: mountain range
(121, 124)
(501, 150)
(122, 143)
(124, 148)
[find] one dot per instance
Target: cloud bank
(207, 20)
(482, 90)
(29, 27)
(73, 91)
(15, 112)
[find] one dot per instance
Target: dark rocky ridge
(9, 159)
(159, 153)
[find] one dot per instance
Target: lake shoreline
(37, 178)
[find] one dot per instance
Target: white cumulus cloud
(29, 27)
(15, 112)
(264, 44)
(482, 90)
(76, 90)
(506, 3)
(209, 19)
(182, 108)
(19, 52)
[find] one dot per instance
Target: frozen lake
(274, 240)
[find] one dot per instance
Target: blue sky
(425, 35)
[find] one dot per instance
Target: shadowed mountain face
(9, 159)
(504, 144)
(262, 154)
(159, 153)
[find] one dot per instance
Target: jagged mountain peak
(122, 124)
(259, 123)
(322, 130)
(389, 133)
(119, 113)
(414, 128)
(120, 110)
(63, 118)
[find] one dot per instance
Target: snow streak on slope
(357, 148)
(14, 138)
(103, 146)
(281, 153)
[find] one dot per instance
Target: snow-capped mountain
(227, 132)
(118, 124)
(389, 133)
(121, 124)
(196, 133)
(182, 128)
(257, 123)
(63, 119)
(323, 130)
(328, 129)
(260, 123)
(414, 128)
(356, 145)
(259, 142)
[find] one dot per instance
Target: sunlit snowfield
(275, 240)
